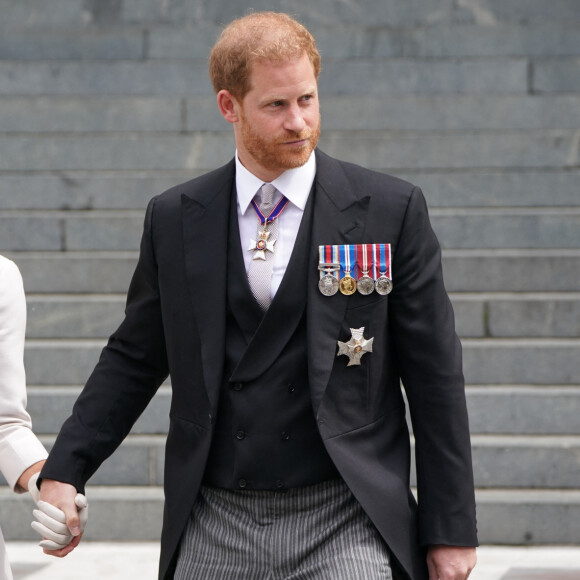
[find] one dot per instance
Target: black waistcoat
(265, 434)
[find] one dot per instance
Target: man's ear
(228, 106)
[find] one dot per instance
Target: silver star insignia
(356, 346)
(261, 246)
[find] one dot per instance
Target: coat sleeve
(131, 368)
(19, 447)
(428, 353)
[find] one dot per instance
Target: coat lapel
(205, 214)
(340, 212)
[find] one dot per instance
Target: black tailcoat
(175, 323)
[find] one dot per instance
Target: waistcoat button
(240, 434)
(291, 387)
(238, 386)
(284, 436)
(242, 483)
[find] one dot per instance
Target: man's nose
(294, 119)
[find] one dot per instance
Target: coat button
(284, 435)
(291, 387)
(279, 484)
(240, 434)
(242, 483)
(238, 386)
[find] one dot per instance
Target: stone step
(81, 190)
(184, 78)
(476, 315)
(493, 409)
(335, 41)
(465, 271)
(509, 462)
(135, 514)
(100, 114)
(504, 315)
(456, 229)
(397, 151)
(487, 361)
(523, 409)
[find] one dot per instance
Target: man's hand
(58, 520)
(450, 562)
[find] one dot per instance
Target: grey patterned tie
(260, 272)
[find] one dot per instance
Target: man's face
(279, 118)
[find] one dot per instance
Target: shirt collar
(295, 183)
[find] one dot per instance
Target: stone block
(521, 362)
(86, 190)
(118, 152)
(460, 40)
(411, 76)
(528, 516)
(202, 114)
(401, 151)
(490, 12)
(22, 233)
(512, 270)
(34, 14)
(74, 316)
(556, 75)
(556, 317)
(77, 44)
(508, 229)
(101, 232)
(526, 462)
(371, 13)
(523, 409)
(60, 362)
(469, 317)
(190, 41)
(449, 112)
(497, 188)
(93, 78)
(76, 273)
(75, 114)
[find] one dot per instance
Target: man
(288, 450)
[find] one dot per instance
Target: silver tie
(260, 272)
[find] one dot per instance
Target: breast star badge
(261, 245)
(356, 346)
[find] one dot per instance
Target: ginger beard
(276, 153)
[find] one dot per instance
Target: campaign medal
(365, 284)
(384, 284)
(356, 347)
(347, 284)
(262, 245)
(328, 264)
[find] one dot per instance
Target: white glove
(51, 522)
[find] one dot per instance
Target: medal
(365, 284)
(384, 284)
(328, 265)
(262, 245)
(347, 284)
(356, 347)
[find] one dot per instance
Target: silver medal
(365, 285)
(328, 284)
(383, 285)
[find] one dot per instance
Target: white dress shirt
(295, 184)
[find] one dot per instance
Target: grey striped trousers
(318, 532)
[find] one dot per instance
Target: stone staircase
(105, 103)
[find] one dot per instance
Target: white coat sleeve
(19, 447)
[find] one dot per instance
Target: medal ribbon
(364, 260)
(328, 255)
(280, 207)
(347, 259)
(385, 259)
